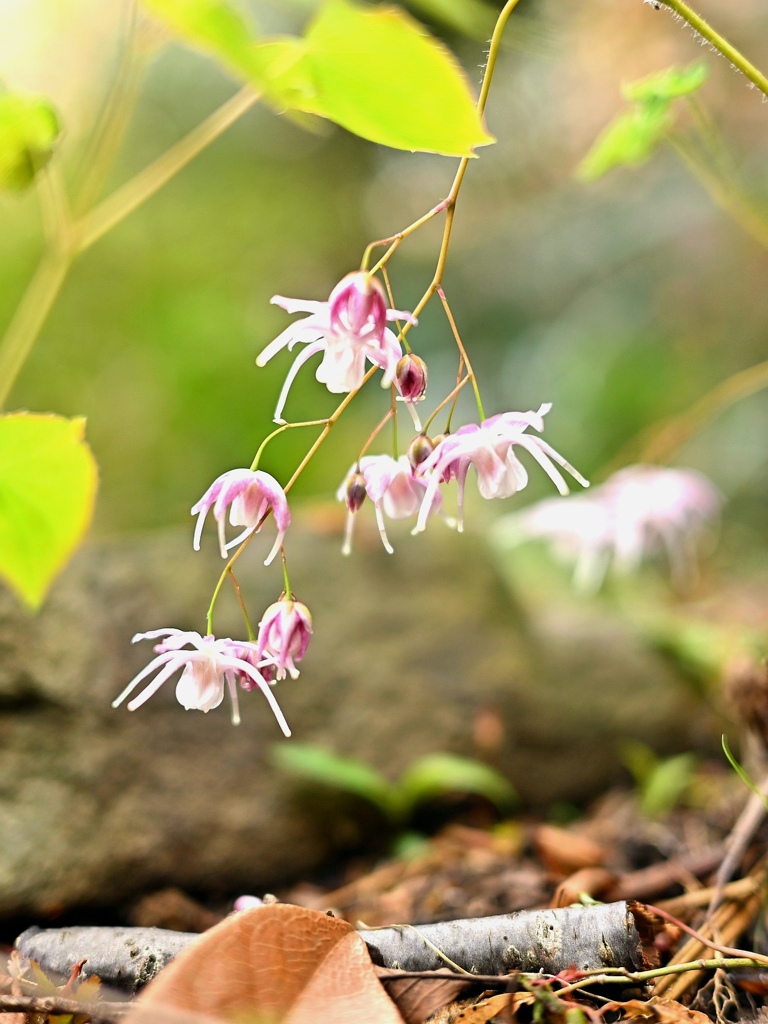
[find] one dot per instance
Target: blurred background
(620, 301)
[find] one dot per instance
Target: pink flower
(284, 634)
(348, 329)
(489, 447)
(637, 512)
(394, 489)
(250, 496)
(206, 668)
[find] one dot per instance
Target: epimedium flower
(489, 447)
(284, 634)
(393, 487)
(249, 495)
(207, 665)
(350, 328)
(636, 513)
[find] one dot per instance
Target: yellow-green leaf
(29, 128)
(377, 72)
(667, 85)
(217, 27)
(48, 482)
(630, 139)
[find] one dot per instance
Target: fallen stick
(547, 941)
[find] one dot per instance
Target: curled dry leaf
(278, 963)
(662, 1011)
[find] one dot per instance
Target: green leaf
(29, 128)
(630, 139)
(436, 774)
(667, 85)
(48, 482)
(378, 73)
(318, 764)
(666, 784)
(215, 26)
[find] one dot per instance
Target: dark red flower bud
(355, 493)
(420, 448)
(411, 377)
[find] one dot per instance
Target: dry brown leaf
(662, 1011)
(504, 1006)
(278, 963)
(419, 998)
(564, 852)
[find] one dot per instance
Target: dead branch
(548, 941)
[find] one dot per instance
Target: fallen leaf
(662, 1011)
(420, 998)
(278, 963)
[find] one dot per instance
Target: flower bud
(411, 377)
(358, 305)
(284, 634)
(420, 448)
(355, 492)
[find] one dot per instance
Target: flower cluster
(400, 488)
(636, 513)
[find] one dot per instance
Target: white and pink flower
(284, 634)
(207, 666)
(489, 447)
(249, 495)
(636, 513)
(394, 488)
(350, 328)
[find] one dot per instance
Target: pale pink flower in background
(636, 513)
(489, 447)
(348, 329)
(207, 665)
(393, 487)
(284, 634)
(249, 496)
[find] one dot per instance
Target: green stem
(286, 580)
(30, 316)
(243, 609)
(279, 430)
(445, 401)
(328, 426)
(730, 52)
(462, 351)
(727, 198)
(116, 207)
(112, 121)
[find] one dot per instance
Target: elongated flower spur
(249, 496)
(489, 447)
(348, 329)
(207, 665)
(636, 513)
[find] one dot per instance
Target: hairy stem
(729, 52)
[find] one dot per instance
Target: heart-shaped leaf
(378, 73)
(48, 480)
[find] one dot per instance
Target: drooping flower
(393, 487)
(489, 447)
(249, 496)
(207, 666)
(636, 513)
(348, 329)
(284, 634)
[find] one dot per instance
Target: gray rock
(97, 804)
